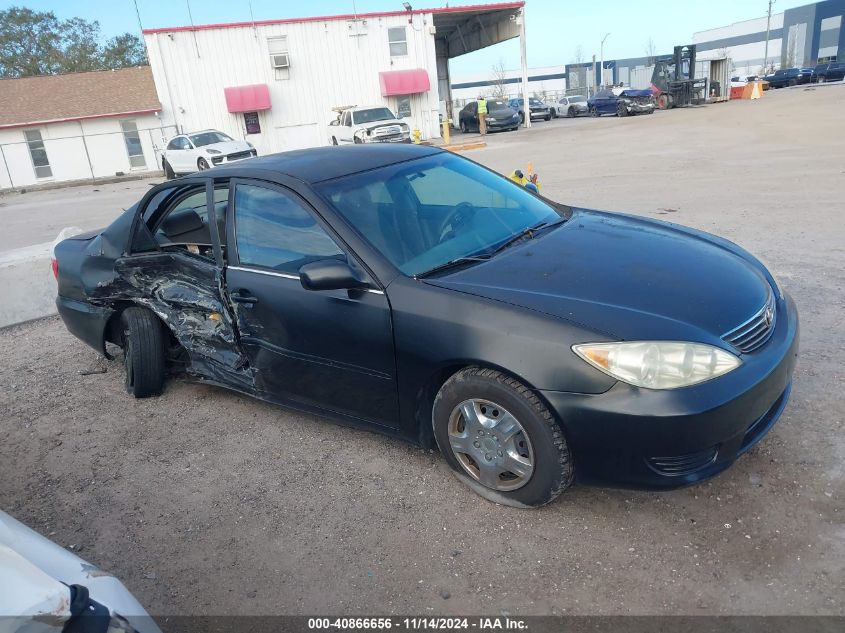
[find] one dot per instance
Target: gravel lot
(204, 501)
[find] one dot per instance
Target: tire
(168, 170)
(547, 118)
(202, 164)
(822, 79)
(793, 82)
(334, 140)
(553, 113)
(464, 127)
(594, 111)
(143, 352)
(535, 445)
(521, 118)
(357, 141)
(621, 110)
(571, 113)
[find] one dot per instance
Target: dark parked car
(834, 71)
(789, 77)
(499, 116)
(539, 110)
(621, 103)
(408, 290)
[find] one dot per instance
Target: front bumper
(639, 108)
(540, 114)
(641, 438)
(503, 124)
(225, 159)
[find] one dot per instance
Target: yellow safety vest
(482, 106)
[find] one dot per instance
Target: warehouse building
(277, 83)
(78, 127)
(803, 36)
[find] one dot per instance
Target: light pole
(768, 25)
(601, 67)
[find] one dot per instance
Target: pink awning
(247, 98)
(403, 82)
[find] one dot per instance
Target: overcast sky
(555, 28)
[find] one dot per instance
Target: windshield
(496, 105)
(535, 102)
(208, 138)
(424, 213)
(578, 99)
(373, 114)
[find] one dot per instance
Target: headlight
(213, 151)
(489, 118)
(658, 364)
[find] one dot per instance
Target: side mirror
(330, 274)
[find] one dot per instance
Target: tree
(498, 88)
(578, 58)
(124, 51)
(37, 43)
(650, 52)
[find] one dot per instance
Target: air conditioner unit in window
(280, 60)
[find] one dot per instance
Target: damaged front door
(175, 269)
(327, 348)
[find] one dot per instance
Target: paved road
(205, 501)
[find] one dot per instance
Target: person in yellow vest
(482, 115)
(518, 177)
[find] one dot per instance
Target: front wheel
(500, 439)
(547, 117)
(202, 164)
(621, 110)
(143, 352)
(594, 111)
(521, 118)
(822, 79)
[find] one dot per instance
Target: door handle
(243, 296)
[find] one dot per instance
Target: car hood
(624, 277)
(227, 147)
(635, 93)
(374, 124)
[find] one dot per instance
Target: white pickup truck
(370, 124)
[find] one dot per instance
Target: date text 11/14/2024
(418, 624)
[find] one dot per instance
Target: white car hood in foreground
(33, 598)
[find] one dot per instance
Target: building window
(398, 41)
(403, 107)
(277, 47)
(133, 144)
(38, 154)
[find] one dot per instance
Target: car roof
(317, 164)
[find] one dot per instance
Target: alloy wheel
(491, 445)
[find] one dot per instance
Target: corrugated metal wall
(332, 63)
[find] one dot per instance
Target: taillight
(54, 266)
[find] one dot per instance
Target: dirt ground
(204, 501)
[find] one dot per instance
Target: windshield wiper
(527, 232)
(453, 263)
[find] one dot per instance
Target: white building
(78, 127)
(802, 36)
(275, 83)
(546, 80)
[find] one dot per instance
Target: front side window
(184, 225)
(274, 230)
(426, 212)
(133, 144)
(209, 138)
(38, 153)
(398, 42)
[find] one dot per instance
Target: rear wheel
(168, 170)
(571, 112)
(500, 439)
(793, 82)
(143, 352)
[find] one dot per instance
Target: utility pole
(526, 107)
(768, 28)
(601, 69)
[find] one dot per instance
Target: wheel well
(113, 332)
(428, 392)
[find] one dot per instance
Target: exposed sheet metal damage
(186, 292)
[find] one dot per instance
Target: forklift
(673, 80)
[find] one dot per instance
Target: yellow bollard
(446, 132)
(416, 135)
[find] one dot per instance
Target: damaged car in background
(410, 291)
(621, 102)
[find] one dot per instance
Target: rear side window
(273, 229)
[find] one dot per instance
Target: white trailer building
(275, 83)
(78, 127)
